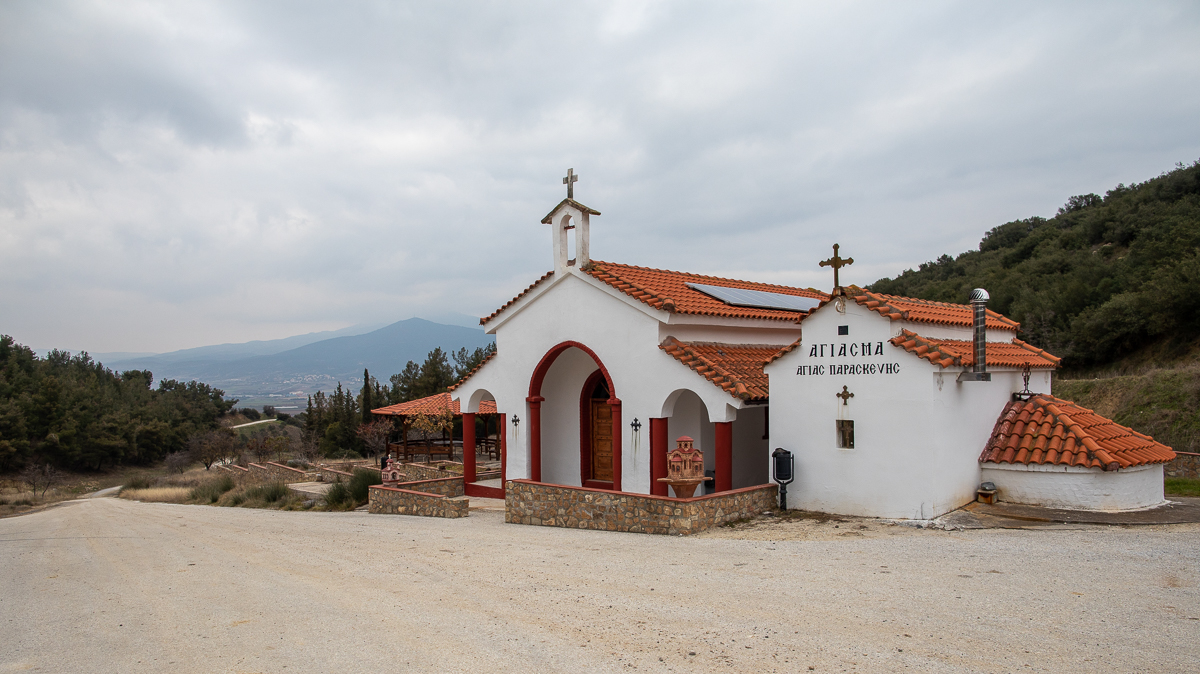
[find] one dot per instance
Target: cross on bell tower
(570, 181)
(837, 263)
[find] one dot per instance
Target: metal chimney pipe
(979, 299)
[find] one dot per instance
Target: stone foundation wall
(553, 505)
(394, 501)
(1184, 465)
(449, 486)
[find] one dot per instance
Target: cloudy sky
(179, 174)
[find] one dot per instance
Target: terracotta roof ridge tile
(475, 369)
(932, 311)
(784, 351)
(485, 319)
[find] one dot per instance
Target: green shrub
(338, 497)
(268, 493)
(211, 492)
(1182, 486)
(361, 482)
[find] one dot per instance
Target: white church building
(892, 407)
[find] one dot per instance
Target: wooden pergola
(438, 405)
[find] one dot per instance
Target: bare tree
(41, 478)
(178, 462)
(212, 446)
(309, 448)
(375, 435)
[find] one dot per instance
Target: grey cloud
(212, 172)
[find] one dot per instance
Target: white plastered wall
(624, 334)
(1077, 488)
(918, 433)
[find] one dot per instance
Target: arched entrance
(595, 433)
(489, 483)
(599, 411)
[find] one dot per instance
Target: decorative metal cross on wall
(845, 395)
(570, 181)
(837, 263)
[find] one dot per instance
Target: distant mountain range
(307, 363)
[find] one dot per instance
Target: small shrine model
(685, 468)
(392, 474)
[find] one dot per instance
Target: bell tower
(567, 215)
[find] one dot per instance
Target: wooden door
(602, 441)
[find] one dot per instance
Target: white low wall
(1077, 488)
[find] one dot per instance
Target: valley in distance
(284, 372)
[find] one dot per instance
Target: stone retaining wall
(552, 505)
(394, 501)
(327, 474)
(447, 486)
(277, 472)
(416, 471)
(1183, 465)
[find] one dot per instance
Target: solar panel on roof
(758, 299)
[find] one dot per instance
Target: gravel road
(105, 585)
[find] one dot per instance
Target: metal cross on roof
(845, 395)
(837, 263)
(570, 181)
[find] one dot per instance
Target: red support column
(724, 455)
(502, 436)
(658, 456)
(468, 421)
(617, 433)
(535, 437)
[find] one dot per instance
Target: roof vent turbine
(979, 300)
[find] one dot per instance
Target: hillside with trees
(1112, 285)
(336, 422)
(1107, 282)
(71, 412)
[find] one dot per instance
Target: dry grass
(158, 494)
(1161, 402)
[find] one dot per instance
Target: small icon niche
(845, 433)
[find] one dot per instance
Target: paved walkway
(313, 489)
(1179, 510)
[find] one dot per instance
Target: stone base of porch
(554, 505)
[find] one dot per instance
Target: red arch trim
(539, 373)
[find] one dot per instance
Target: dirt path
(104, 585)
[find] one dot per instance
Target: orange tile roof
(485, 319)
(434, 405)
(736, 368)
(1049, 430)
(958, 352)
(475, 369)
(668, 290)
(927, 311)
(783, 352)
